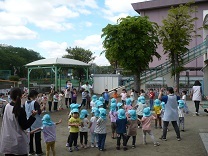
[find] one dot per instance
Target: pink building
(157, 10)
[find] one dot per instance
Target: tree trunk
(137, 82)
(177, 73)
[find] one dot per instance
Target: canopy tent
(55, 64)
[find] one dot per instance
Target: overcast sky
(50, 26)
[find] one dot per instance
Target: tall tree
(132, 43)
(80, 54)
(14, 59)
(176, 33)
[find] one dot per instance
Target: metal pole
(56, 84)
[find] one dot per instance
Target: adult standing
(88, 88)
(30, 106)
(196, 94)
(171, 111)
(13, 137)
(67, 93)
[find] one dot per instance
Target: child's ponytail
(17, 107)
(16, 94)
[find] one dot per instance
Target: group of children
(124, 123)
(125, 120)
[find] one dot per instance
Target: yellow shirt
(157, 109)
(74, 129)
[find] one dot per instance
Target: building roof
(57, 61)
(160, 4)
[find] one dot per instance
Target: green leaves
(176, 33)
(132, 42)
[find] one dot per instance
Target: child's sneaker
(70, 149)
(125, 148)
(85, 146)
(133, 146)
(96, 145)
(76, 148)
(67, 144)
(118, 148)
(82, 146)
(92, 145)
(156, 144)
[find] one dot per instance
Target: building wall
(158, 14)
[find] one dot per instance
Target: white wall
(105, 81)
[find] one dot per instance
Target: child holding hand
(146, 125)
(74, 123)
(49, 133)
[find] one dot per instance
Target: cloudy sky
(50, 26)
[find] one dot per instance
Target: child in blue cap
(132, 127)
(74, 123)
(181, 115)
(94, 99)
(113, 116)
(141, 104)
(93, 122)
(121, 124)
(157, 109)
(119, 105)
(83, 131)
(100, 129)
(49, 133)
(146, 125)
(128, 105)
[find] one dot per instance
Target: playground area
(190, 145)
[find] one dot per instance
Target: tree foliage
(131, 43)
(80, 54)
(176, 33)
(15, 58)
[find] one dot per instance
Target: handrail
(166, 67)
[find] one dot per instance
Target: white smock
(13, 140)
(197, 96)
(171, 109)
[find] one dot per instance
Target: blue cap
(119, 104)
(102, 99)
(94, 98)
(163, 105)
(180, 103)
(46, 120)
(121, 114)
(75, 110)
(102, 113)
(113, 100)
(96, 111)
(146, 112)
(113, 107)
(157, 102)
(133, 115)
(73, 105)
(98, 103)
(83, 113)
(128, 101)
(141, 99)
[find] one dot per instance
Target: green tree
(131, 43)
(14, 58)
(80, 54)
(176, 33)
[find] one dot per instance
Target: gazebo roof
(57, 61)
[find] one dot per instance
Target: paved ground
(190, 145)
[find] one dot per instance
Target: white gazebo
(55, 64)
